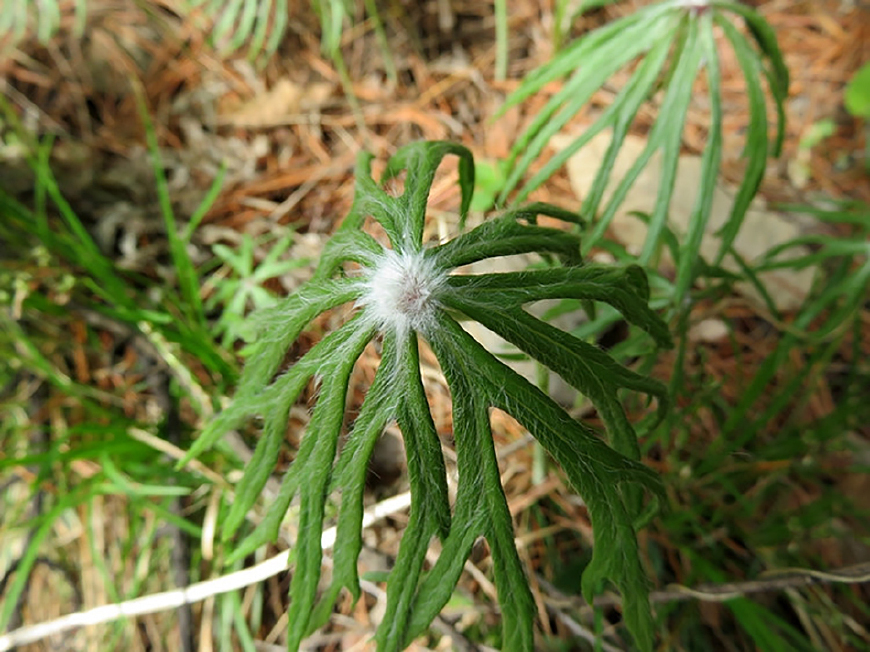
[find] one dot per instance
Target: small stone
(708, 330)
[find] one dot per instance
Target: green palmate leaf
(420, 165)
(595, 374)
(475, 446)
(681, 32)
(595, 59)
(430, 512)
(404, 292)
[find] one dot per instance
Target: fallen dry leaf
(284, 99)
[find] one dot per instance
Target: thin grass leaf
(188, 279)
(501, 39)
(206, 203)
(851, 212)
(750, 274)
(16, 587)
(389, 64)
(824, 247)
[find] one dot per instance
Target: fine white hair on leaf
(401, 292)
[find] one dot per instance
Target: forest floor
(288, 137)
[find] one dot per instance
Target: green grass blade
(25, 563)
(389, 64)
(206, 203)
(188, 280)
(501, 40)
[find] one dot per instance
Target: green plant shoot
(407, 291)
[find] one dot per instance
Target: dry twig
(194, 593)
